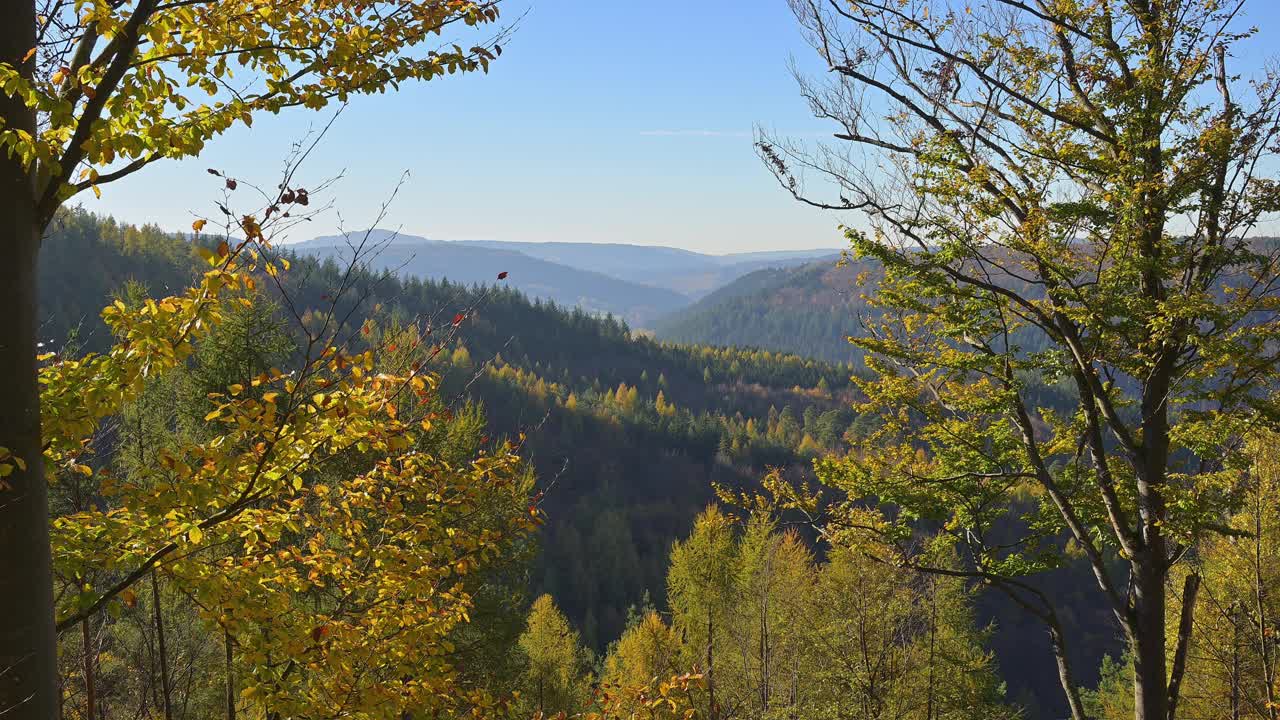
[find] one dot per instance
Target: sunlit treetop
(118, 85)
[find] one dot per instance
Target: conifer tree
(553, 680)
(648, 650)
(700, 590)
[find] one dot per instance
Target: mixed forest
(1013, 457)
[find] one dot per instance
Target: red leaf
(457, 319)
(231, 184)
(502, 275)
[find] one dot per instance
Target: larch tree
(700, 591)
(1058, 192)
(553, 677)
(648, 651)
(773, 574)
(92, 91)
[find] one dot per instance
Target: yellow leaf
(195, 535)
(198, 225)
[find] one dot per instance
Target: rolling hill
(638, 283)
(473, 263)
(812, 307)
(686, 272)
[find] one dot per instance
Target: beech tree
(92, 91)
(1062, 193)
(315, 522)
(1232, 667)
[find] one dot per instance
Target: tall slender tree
(700, 590)
(1079, 176)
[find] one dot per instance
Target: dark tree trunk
(1057, 642)
(711, 680)
(90, 663)
(1150, 688)
(231, 684)
(28, 662)
(163, 650)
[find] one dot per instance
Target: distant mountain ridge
(412, 256)
(687, 272)
(639, 283)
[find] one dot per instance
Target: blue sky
(603, 121)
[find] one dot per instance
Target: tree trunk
(1150, 688)
(1057, 642)
(231, 685)
(933, 646)
(1235, 661)
(163, 651)
(1260, 599)
(711, 680)
(1186, 626)
(28, 660)
(90, 659)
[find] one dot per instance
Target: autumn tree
(699, 588)
(1057, 193)
(553, 680)
(91, 92)
(319, 521)
(849, 636)
(772, 576)
(1232, 663)
(882, 642)
(649, 651)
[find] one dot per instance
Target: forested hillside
(627, 435)
(471, 263)
(815, 306)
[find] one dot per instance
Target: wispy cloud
(696, 133)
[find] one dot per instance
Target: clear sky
(603, 121)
